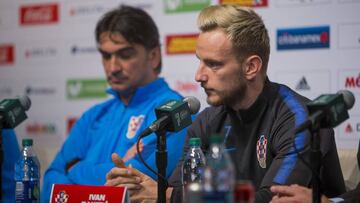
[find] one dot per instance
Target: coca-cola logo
(6, 54)
(39, 14)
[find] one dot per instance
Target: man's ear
(155, 57)
(253, 66)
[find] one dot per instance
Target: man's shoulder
(101, 106)
(210, 113)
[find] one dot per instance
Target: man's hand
(293, 194)
(141, 187)
(122, 175)
(132, 151)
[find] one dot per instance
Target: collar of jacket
(260, 104)
(143, 93)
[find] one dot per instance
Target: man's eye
(213, 64)
(105, 55)
(125, 54)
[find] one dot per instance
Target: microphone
(328, 110)
(173, 115)
(12, 111)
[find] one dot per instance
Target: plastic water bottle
(193, 166)
(219, 176)
(27, 175)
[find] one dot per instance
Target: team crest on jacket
(134, 125)
(261, 151)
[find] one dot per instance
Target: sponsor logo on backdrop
(248, 3)
(86, 88)
(302, 84)
(291, 3)
(303, 38)
(307, 82)
(175, 6)
(348, 128)
(84, 10)
(37, 14)
(352, 81)
(76, 49)
(31, 90)
(38, 52)
(181, 44)
(39, 128)
(70, 123)
(349, 36)
(186, 87)
(352, 128)
(7, 54)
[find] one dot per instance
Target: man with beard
(249, 110)
(128, 41)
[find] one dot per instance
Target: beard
(233, 93)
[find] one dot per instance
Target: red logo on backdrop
(348, 128)
(352, 82)
(186, 86)
(70, 123)
(39, 14)
(6, 54)
(85, 193)
(36, 128)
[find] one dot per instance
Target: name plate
(61, 193)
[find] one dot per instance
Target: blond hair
(243, 26)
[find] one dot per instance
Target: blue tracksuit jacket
(113, 127)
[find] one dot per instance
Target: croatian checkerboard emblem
(134, 125)
(61, 197)
(261, 151)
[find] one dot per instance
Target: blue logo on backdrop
(303, 38)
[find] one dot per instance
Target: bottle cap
(216, 138)
(195, 141)
(27, 142)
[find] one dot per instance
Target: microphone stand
(161, 163)
(313, 125)
(315, 157)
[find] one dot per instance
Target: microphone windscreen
(25, 102)
(193, 103)
(349, 98)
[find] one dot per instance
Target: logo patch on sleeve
(261, 151)
(134, 125)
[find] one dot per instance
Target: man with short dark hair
(128, 41)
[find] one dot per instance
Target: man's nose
(200, 75)
(115, 64)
